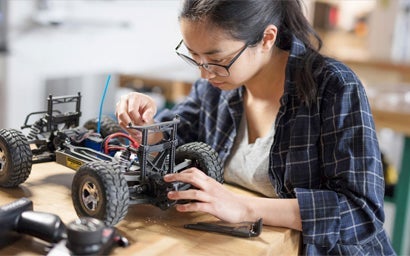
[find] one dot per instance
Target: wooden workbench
(150, 230)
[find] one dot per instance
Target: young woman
(286, 121)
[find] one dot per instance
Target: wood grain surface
(150, 230)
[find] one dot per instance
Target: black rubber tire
(108, 126)
(15, 158)
(203, 156)
(105, 188)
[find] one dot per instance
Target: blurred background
(62, 47)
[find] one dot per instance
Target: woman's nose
(206, 74)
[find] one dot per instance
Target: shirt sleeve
(349, 208)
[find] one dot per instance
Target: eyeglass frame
(204, 65)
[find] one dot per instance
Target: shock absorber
(36, 129)
(123, 158)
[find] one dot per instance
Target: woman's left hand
(208, 196)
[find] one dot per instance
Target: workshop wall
(66, 46)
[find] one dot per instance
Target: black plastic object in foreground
(246, 229)
(18, 217)
(46, 226)
(9, 215)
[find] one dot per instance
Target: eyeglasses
(219, 70)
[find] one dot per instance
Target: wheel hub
(90, 196)
(2, 160)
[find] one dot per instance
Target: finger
(148, 115)
(192, 176)
(149, 109)
(141, 108)
(122, 112)
(134, 108)
(186, 175)
(190, 194)
(193, 207)
(199, 200)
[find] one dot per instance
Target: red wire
(107, 148)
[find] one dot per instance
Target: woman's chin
(220, 85)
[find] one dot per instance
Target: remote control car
(104, 189)
(113, 170)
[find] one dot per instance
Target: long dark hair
(246, 20)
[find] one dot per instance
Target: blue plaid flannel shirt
(326, 155)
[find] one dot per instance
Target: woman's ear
(269, 37)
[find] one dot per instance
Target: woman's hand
(137, 109)
(212, 197)
(209, 196)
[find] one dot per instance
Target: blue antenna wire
(102, 103)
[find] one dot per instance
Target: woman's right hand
(137, 109)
